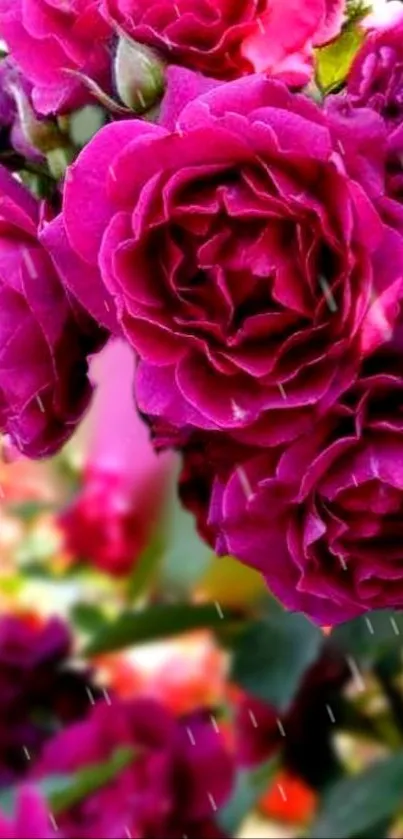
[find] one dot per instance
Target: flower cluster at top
(238, 220)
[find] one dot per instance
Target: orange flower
(289, 799)
(120, 675)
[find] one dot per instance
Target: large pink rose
(228, 38)
(249, 272)
(323, 520)
(51, 41)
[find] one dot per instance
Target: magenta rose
(52, 41)
(248, 270)
(180, 775)
(376, 81)
(45, 336)
(230, 38)
(323, 520)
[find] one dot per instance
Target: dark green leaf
(273, 654)
(249, 788)
(371, 636)
(355, 805)
(88, 618)
(154, 623)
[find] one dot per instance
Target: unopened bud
(42, 134)
(139, 75)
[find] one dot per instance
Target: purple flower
(31, 820)
(38, 690)
(125, 482)
(244, 265)
(180, 773)
(45, 337)
(52, 42)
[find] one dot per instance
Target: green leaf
(30, 510)
(87, 618)
(154, 623)
(273, 654)
(371, 636)
(65, 791)
(356, 805)
(145, 569)
(87, 781)
(333, 62)
(249, 788)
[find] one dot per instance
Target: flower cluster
(246, 240)
(39, 689)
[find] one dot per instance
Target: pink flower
(31, 821)
(376, 82)
(45, 336)
(124, 484)
(229, 38)
(248, 270)
(173, 787)
(322, 520)
(51, 41)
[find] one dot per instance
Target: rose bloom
(51, 41)
(38, 689)
(322, 520)
(229, 38)
(180, 773)
(31, 819)
(45, 337)
(376, 81)
(248, 270)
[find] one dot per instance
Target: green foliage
(371, 636)
(333, 62)
(355, 806)
(155, 623)
(248, 790)
(273, 654)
